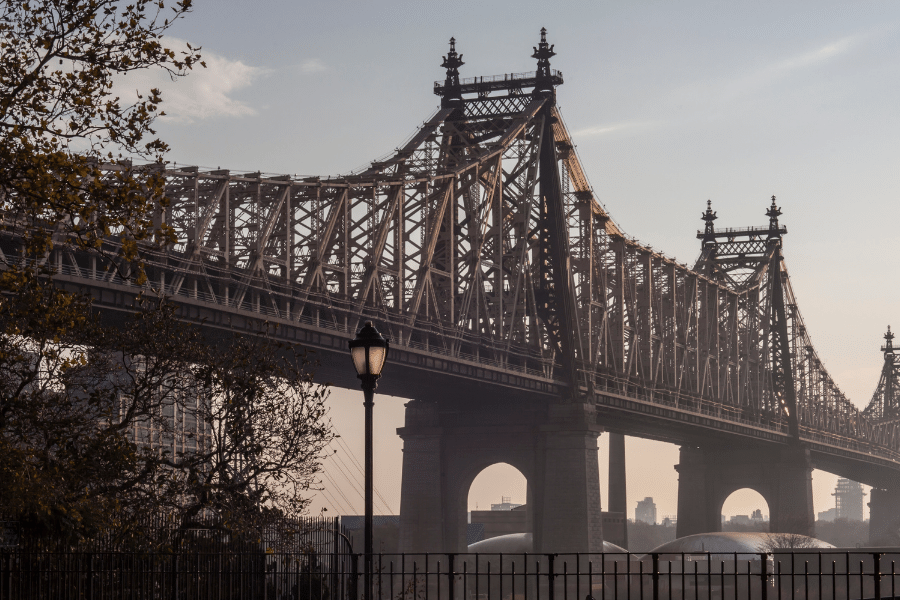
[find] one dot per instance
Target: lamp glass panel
(358, 355)
(376, 359)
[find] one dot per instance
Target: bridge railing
(787, 575)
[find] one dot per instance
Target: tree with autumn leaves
(102, 426)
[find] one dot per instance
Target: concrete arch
(521, 522)
(726, 492)
(553, 445)
(472, 482)
(471, 456)
(765, 509)
(707, 475)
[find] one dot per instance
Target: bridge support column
(884, 517)
(553, 445)
(617, 497)
(791, 506)
(708, 475)
(569, 516)
(421, 490)
(694, 513)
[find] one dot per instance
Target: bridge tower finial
(773, 213)
(709, 216)
(888, 341)
(452, 62)
(543, 52)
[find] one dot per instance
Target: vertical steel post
(877, 573)
(369, 392)
(551, 593)
(334, 556)
(91, 576)
(175, 577)
(450, 584)
(764, 563)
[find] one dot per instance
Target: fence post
(763, 573)
(354, 576)
(655, 575)
(877, 574)
(334, 557)
(91, 576)
(451, 582)
(551, 574)
(175, 576)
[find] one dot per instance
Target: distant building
(493, 523)
(827, 515)
(505, 504)
(501, 521)
(646, 511)
(669, 521)
(848, 500)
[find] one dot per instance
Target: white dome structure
(520, 543)
(749, 543)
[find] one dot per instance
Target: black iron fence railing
(778, 575)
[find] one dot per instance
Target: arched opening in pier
(745, 510)
(497, 501)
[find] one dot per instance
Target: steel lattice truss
(481, 237)
(885, 403)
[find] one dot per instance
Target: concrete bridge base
(708, 475)
(884, 517)
(553, 445)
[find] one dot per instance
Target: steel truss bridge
(481, 249)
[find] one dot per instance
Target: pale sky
(670, 104)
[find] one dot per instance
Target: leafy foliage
(60, 120)
(104, 424)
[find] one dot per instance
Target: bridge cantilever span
(481, 249)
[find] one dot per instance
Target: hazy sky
(670, 104)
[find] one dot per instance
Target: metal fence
(820, 575)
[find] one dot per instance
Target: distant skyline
(670, 104)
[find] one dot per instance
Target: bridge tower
(553, 442)
(750, 260)
(884, 408)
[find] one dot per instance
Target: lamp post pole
(368, 385)
(368, 352)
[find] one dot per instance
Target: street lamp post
(368, 351)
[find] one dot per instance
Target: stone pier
(554, 445)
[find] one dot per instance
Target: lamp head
(368, 351)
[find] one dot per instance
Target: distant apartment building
(848, 500)
(646, 511)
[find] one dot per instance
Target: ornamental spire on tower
(773, 213)
(543, 52)
(452, 62)
(709, 216)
